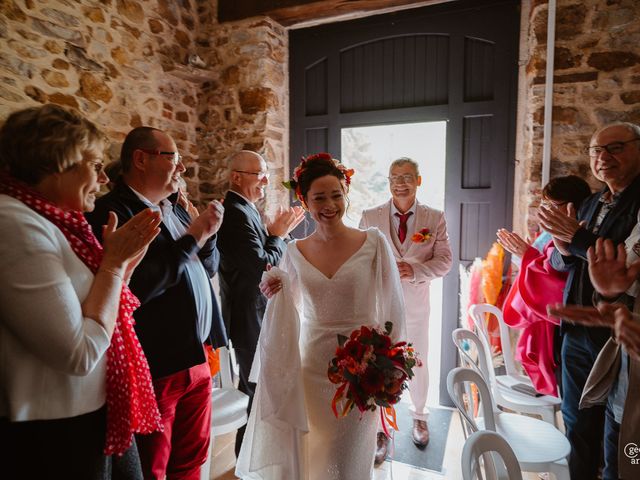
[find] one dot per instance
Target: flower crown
(294, 184)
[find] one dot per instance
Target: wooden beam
(294, 12)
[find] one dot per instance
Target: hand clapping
(285, 220)
(561, 225)
(608, 270)
(512, 242)
(207, 223)
(124, 247)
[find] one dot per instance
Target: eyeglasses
(406, 178)
(260, 175)
(612, 148)
(176, 158)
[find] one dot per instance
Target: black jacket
(166, 321)
(245, 250)
(616, 226)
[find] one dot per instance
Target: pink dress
(525, 308)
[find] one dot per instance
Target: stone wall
(111, 59)
(245, 104)
(217, 88)
(596, 81)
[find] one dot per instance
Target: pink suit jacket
(430, 259)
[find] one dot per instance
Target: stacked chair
(502, 385)
(489, 450)
(538, 445)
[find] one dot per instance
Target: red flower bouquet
(370, 370)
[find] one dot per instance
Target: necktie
(402, 229)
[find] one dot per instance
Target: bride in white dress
(339, 278)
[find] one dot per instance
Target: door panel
(455, 62)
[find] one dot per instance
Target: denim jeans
(611, 436)
(584, 427)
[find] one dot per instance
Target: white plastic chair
(228, 407)
(546, 406)
(538, 445)
(500, 463)
(464, 340)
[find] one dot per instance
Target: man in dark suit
(614, 153)
(247, 246)
(178, 312)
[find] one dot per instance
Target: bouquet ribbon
(388, 415)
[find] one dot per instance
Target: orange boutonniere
(422, 236)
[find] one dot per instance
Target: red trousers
(184, 400)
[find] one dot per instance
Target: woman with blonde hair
(74, 382)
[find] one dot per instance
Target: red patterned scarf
(131, 401)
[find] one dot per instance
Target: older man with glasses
(179, 313)
(418, 238)
(614, 154)
(247, 245)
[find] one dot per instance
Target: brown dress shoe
(381, 450)
(420, 433)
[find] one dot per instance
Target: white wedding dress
(364, 291)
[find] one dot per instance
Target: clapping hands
(285, 220)
(512, 242)
(561, 224)
(207, 223)
(608, 268)
(125, 247)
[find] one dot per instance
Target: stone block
(56, 31)
(182, 38)
(168, 9)
(94, 14)
(78, 57)
(606, 116)
(609, 61)
(131, 10)
(61, 18)
(155, 26)
(27, 51)
(11, 11)
(9, 95)
(60, 64)
(63, 99)
(94, 88)
(35, 93)
(570, 21)
(629, 98)
(55, 79)
(254, 100)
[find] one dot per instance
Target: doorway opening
(370, 150)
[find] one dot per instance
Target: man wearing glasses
(418, 238)
(614, 154)
(247, 246)
(178, 312)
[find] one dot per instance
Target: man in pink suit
(418, 237)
